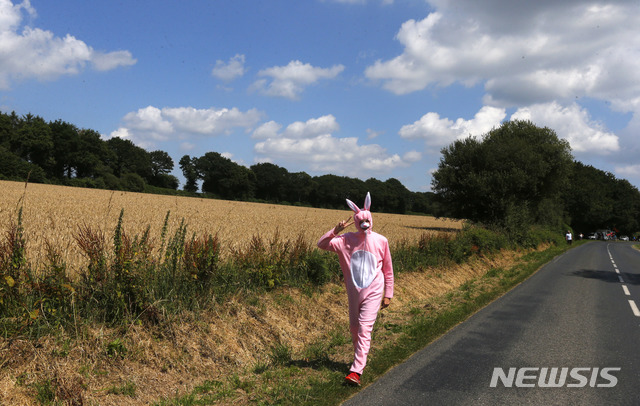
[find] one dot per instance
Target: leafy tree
(588, 200)
(507, 177)
(626, 208)
(129, 158)
(299, 186)
(397, 196)
(271, 181)
(423, 202)
(224, 178)
(161, 165)
(33, 141)
(8, 128)
(190, 173)
(597, 200)
(13, 167)
(95, 158)
(332, 191)
(66, 149)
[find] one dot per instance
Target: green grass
(126, 389)
(315, 380)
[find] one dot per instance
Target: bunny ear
(353, 206)
(367, 202)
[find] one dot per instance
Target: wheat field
(52, 215)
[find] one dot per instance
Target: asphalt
(574, 314)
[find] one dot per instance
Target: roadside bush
(483, 241)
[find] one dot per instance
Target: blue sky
(361, 88)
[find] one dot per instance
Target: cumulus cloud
(523, 52)
(150, 125)
(312, 144)
(34, 53)
(291, 80)
(228, 71)
(539, 59)
(267, 130)
(573, 124)
(312, 127)
(439, 132)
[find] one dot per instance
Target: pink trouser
(363, 310)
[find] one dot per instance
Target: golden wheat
(53, 214)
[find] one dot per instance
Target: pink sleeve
(325, 241)
(387, 271)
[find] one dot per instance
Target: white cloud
(439, 132)
(111, 60)
(573, 124)
(289, 81)
(524, 52)
(371, 134)
(230, 70)
(412, 156)
(628, 171)
(267, 130)
(120, 133)
(569, 122)
(210, 121)
(312, 127)
(312, 145)
(309, 129)
(149, 125)
(37, 53)
(187, 146)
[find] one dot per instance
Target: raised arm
(325, 240)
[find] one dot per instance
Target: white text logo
(554, 377)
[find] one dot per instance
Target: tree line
(512, 177)
(518, 175)
(61, 153)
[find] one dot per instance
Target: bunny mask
(362, 218)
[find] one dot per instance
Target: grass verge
(314, 379)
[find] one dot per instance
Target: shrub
(132, 182)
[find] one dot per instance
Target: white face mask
(365, 224)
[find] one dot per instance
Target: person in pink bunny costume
(365, 260)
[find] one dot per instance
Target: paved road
(579, 311)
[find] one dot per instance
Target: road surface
(576, 317)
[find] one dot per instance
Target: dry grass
(54, 213)
(184, 352)
(231, 340)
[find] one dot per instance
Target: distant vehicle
(592, 236)
(624, 238)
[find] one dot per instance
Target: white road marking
(634, 307)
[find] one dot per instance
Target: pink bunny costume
(368, 274)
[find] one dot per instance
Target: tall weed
(130, 278)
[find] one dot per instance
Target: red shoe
(353, 379)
